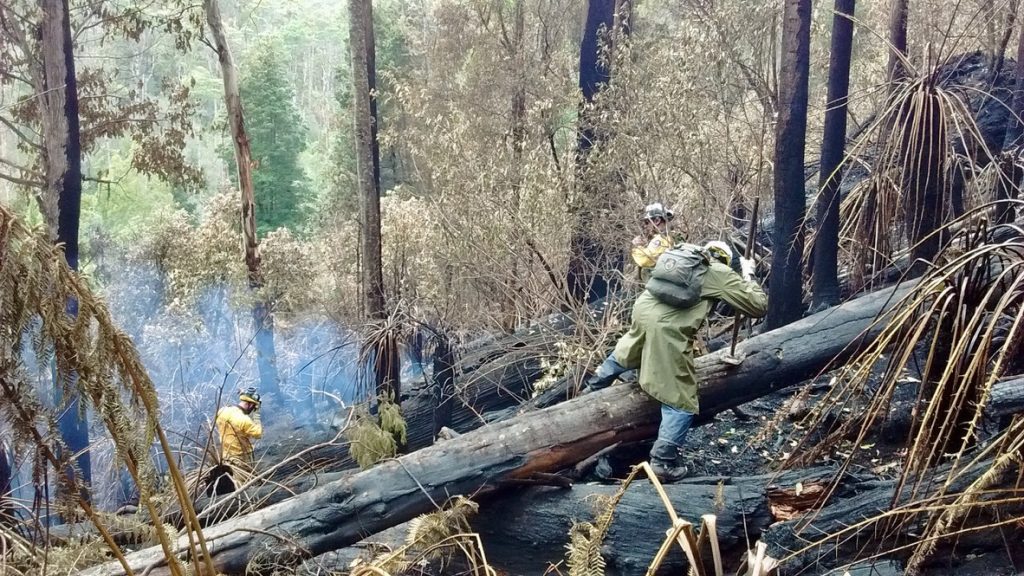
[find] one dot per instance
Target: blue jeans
(675, 424)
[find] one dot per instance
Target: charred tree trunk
(63, 166)
(833, 146)
(262, 312)
(343, 512)
(360, 30)
(385, 361)
(1011, 172)
(590, 263)
(786, 289)
(896, 71)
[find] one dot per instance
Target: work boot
(603, 377)
(669, 472)
(666, 462)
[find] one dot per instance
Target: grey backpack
(678, 277)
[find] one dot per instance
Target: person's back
(237, 432)
(663, 335)
(668, 373)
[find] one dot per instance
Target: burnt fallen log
(525, 531)
(839, 533)
(1006, 398)
(490, 377)
(343, 512)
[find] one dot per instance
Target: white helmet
(657, 210)
(719, 251)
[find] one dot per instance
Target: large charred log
(526, 531)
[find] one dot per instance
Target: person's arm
(254, 428)
(246, 426)
(723, 283)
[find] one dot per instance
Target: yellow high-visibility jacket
(646, 257)
(237, 431)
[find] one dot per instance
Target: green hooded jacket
(664, 335)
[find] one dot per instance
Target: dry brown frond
(963, 325)
(93, 360)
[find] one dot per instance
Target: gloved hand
(747, 267)
(639, 241)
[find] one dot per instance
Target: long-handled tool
(731, 358)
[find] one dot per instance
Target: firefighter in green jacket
(664, 337)
(645, 252)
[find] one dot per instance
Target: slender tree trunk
(371, 77)
(262, 312)
(63, 166)
(833, 145)
(588, 277)
(786, 288)
(896, 71)
(517, 133)
(360, 19)
(385, 355)
(1011, 172)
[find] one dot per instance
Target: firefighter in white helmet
(655, 240)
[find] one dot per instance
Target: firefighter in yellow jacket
(238, 426)
(647, 248)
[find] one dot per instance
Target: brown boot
(666, 463)
(669, 472)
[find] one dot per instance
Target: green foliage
(371, 441)
(277, 136)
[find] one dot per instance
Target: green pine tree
(277, 136)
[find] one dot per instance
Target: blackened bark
(590, 263)
(385, 363)
(833, 145)
(1011, 172)
(360, 24)
(895, 70)
(63, 161)
(786, 288)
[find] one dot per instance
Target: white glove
(747, 267)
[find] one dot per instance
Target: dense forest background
(479, 110)
(506, 150)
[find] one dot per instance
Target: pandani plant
(925, 160)
(48, 309)
(960, 327)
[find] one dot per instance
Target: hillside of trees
(408, 223)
